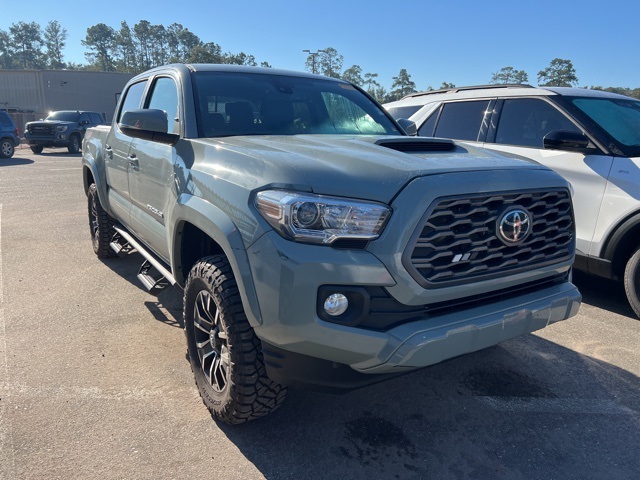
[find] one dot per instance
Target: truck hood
(360, 166)
(49, 122)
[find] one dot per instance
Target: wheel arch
(201, 229)
(621, 244)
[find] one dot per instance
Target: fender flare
(93, 162)
(621, 241)
(218, 226)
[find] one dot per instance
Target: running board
(150, 282)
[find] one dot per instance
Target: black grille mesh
(459, 243)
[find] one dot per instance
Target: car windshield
(403, 112)
(620, 118)
(64, 116)
(262, 104)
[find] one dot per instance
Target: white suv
(590, 137)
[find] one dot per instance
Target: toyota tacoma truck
(316, 243)
(65, 128)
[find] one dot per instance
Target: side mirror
(147, 124)
(408, 126)
(568, 140)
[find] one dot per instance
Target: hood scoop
(418, 145)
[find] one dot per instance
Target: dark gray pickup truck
(316, 243)
(65, 128)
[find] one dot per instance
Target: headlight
(319, 219)
(61, 128)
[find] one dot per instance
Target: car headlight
(321, 219)
(61, 128)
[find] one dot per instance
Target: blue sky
(457, 41)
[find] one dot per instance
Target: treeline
(135, 49)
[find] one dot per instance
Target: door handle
(133, 161)
(109, 150)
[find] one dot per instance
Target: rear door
(151, 171)
(116, 155)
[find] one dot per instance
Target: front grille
(41, 129)
(459, 241)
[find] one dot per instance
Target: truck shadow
(528, 408)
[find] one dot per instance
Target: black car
(9, 137)
(61, 129)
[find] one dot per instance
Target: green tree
(559, 73)
(26, 39)
(126, 56)
(55, 38)
(265, 65)
(510, 75)
(402, 85)
(240, 59)
(7, 53)
(101, 41)
(371, 82)
(381, 95)
(353, 74)
(329, 62)
(206, 53)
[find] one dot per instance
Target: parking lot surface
(94, 382)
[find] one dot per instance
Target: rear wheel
(632, 281)
(6, 148)
(74, 144)
(100, 224)
(37, 148)
(225, 354)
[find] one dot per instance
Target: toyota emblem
(514, 226)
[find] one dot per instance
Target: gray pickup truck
(316, 243)
(64, 128)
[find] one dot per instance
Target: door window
(165, 97)
(133, 98)
(461, 120)
(525, 121)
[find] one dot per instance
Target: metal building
(32, 94)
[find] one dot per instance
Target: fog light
(336, 304)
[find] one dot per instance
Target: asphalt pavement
(94, 383)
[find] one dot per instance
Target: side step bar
(150, 283)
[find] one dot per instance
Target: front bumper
(287, 288)
(58, 140)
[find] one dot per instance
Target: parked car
(9, 136)
(590, 137)
(61, 129)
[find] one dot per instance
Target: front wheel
(100, 224)
(225, 354)
(632, 281)
(74, 144)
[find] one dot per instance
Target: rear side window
(525, 121)
(165, 98)
(133, 98)
(461, 120)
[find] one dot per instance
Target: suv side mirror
(147, 124)
(568, 140)
(408, 126)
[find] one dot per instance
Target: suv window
(460, 120)
(165, 97)
(403, 112)
(96, 119)
(525, 122)
(133, 98)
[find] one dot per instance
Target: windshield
(64, 116)
(620, 118)
(259, 104)
(403, 112)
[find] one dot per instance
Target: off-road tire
(224, 352)
(37, 148)
(7, 148)
(100, 225)
(632, 281)
(74, 144)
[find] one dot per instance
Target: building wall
(32, 94)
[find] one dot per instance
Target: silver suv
(590, 137)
